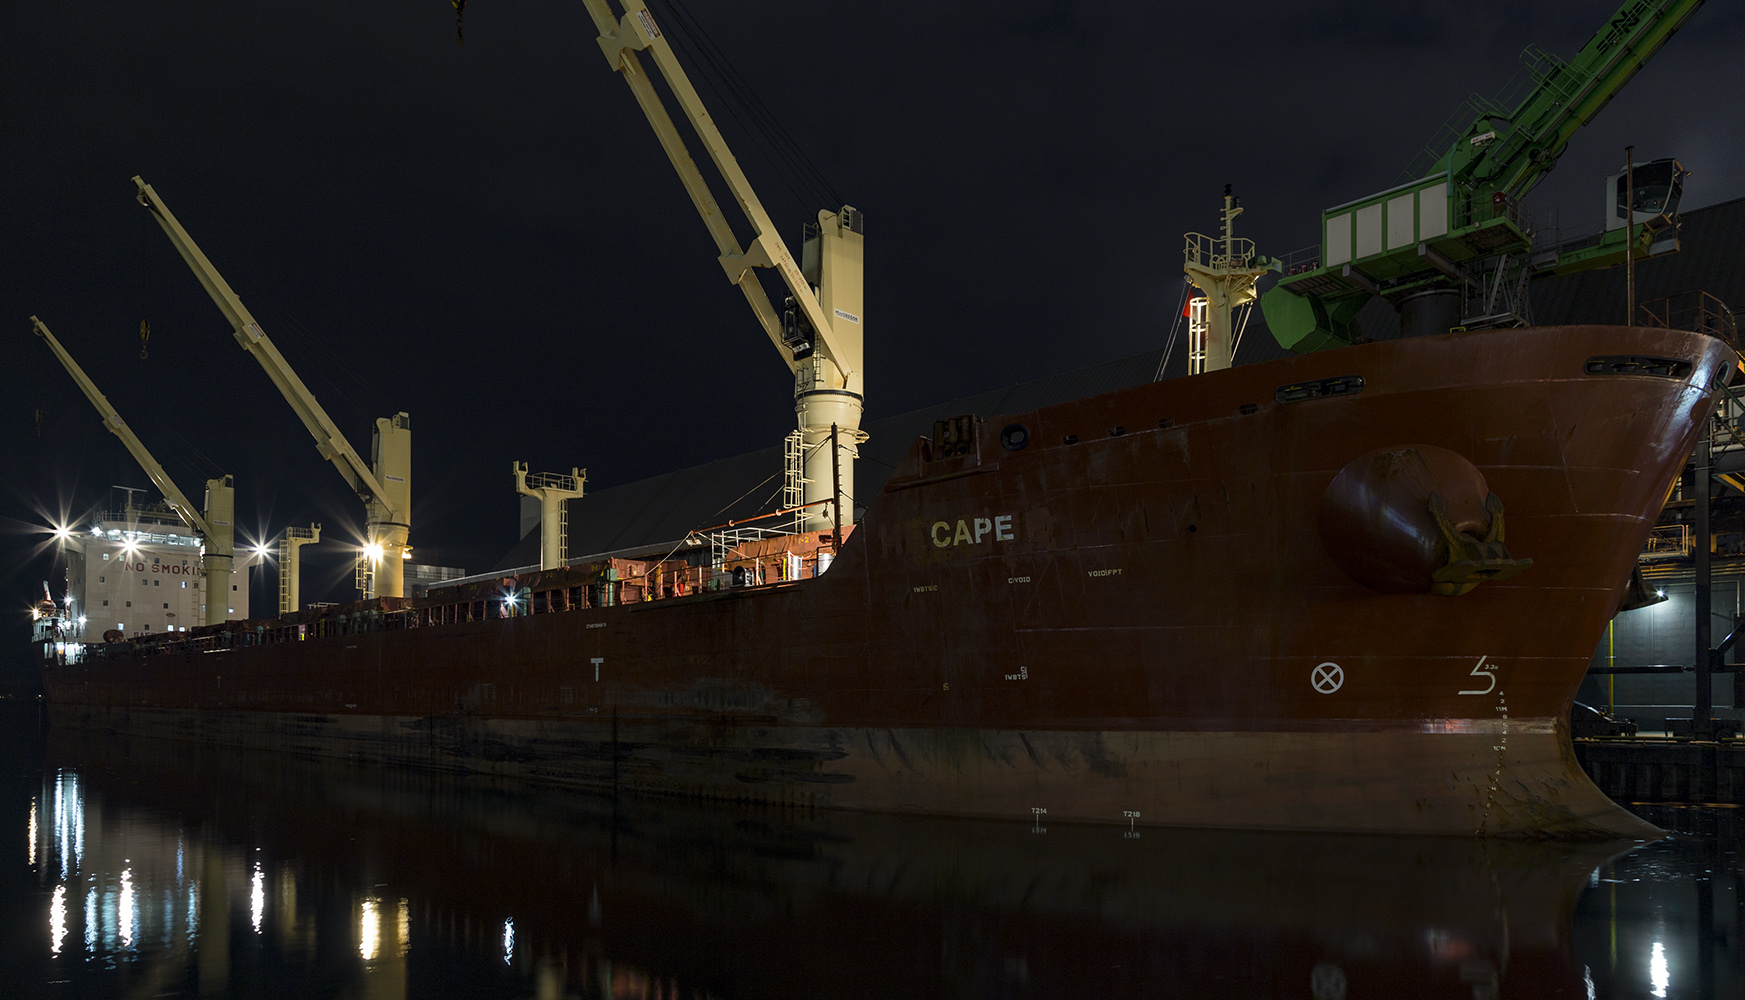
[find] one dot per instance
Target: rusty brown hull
(1136, 612)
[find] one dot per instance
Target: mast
(551, 489)
(1224, 269)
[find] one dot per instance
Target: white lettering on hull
(972, 531)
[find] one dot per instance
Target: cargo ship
(1353, 590)
(1350, 590)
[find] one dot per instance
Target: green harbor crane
(1450, 247)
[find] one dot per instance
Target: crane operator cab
(1659, 186)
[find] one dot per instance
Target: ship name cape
(973, 531)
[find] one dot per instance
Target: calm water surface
(142, 869)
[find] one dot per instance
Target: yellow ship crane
(214, 525)
(818, 333)
(384, 485)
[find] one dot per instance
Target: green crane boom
(1459, 218)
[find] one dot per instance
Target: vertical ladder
(794, 476)
(563, 534)
(1198, 325)
(364, 577)
(285, 554)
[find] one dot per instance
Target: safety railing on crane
(1476, 210)
(1299, 261)
(1210, 251)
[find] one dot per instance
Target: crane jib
(1421, 244)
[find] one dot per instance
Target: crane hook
(144, 338)
(460, 11)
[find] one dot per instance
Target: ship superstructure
(137, 571)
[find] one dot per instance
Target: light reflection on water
(257, 897)
(369, 933)
(57, 919)
(443, 887)
(126, 917)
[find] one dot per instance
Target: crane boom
(621, 39)
(1456, 224)
(819, 332)
(216, 526)
(1567, 97)
(329, 440)
(177, 500)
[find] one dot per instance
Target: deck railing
(1696, 311)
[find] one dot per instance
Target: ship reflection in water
(168, 870)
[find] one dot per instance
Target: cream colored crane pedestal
(551, 489)
(387, 523)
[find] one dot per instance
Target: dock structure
(1665, 770)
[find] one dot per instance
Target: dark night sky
(489, 237)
